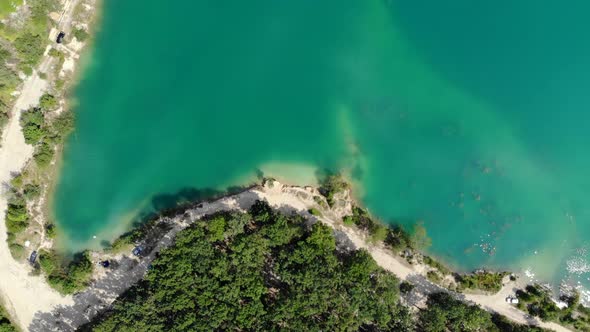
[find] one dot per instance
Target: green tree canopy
(260, 271)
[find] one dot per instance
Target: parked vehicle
(512, 299)
(60, 37)
(33, 257)
(137, 250)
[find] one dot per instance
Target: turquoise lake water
(470, 117)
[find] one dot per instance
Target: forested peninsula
(264, 271)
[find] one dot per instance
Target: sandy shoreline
(25, 295)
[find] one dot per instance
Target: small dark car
(137, 250)
(33, 257)
(60, 37)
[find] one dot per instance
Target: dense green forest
(264, 271)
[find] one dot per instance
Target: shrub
(348, 220)
(378, 233)
(486, 281)
(3, 119)
(5, 324)
(17, 251)
(29, 47)
(63, 124)
(434, 276)
(419, 237)
(80, 34)
(397, 239)
(406, 287)
(314, 212)
(8, 78)
(362, 218)
(434, 264)
(48, 261)
(80, 269)
(48, 102)
(16, 214)
(33, 124)
(31, 191)
(73, 278)
(50, 231)
(43, 154)
(320, 202)
(53, 52)
(332, 185)
(17, 181)
(538, 302)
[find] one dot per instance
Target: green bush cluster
(31, 191)
(43, 135)
(398, 239)
(8, 82)
(28, 45)
(482, 280)
(434, 276)
(17, 251)
(436, 265)
(128, 239)
(80, 34)
(332, 185)
(395, 237)
(48, 102)
(363, 220)
(17, 217)
(5, 323)
(43, 154)
(314, 212)
(33, 125)
(261, 271)
(16, 220)
(50, 231)
(536, 300)
(66, 279)
(405, 287)
(445, 313)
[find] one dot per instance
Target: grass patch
(332, 185)
(314, 212)
(8, 6)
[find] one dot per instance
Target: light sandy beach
(24, 294)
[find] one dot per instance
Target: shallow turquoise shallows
(473, 118)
